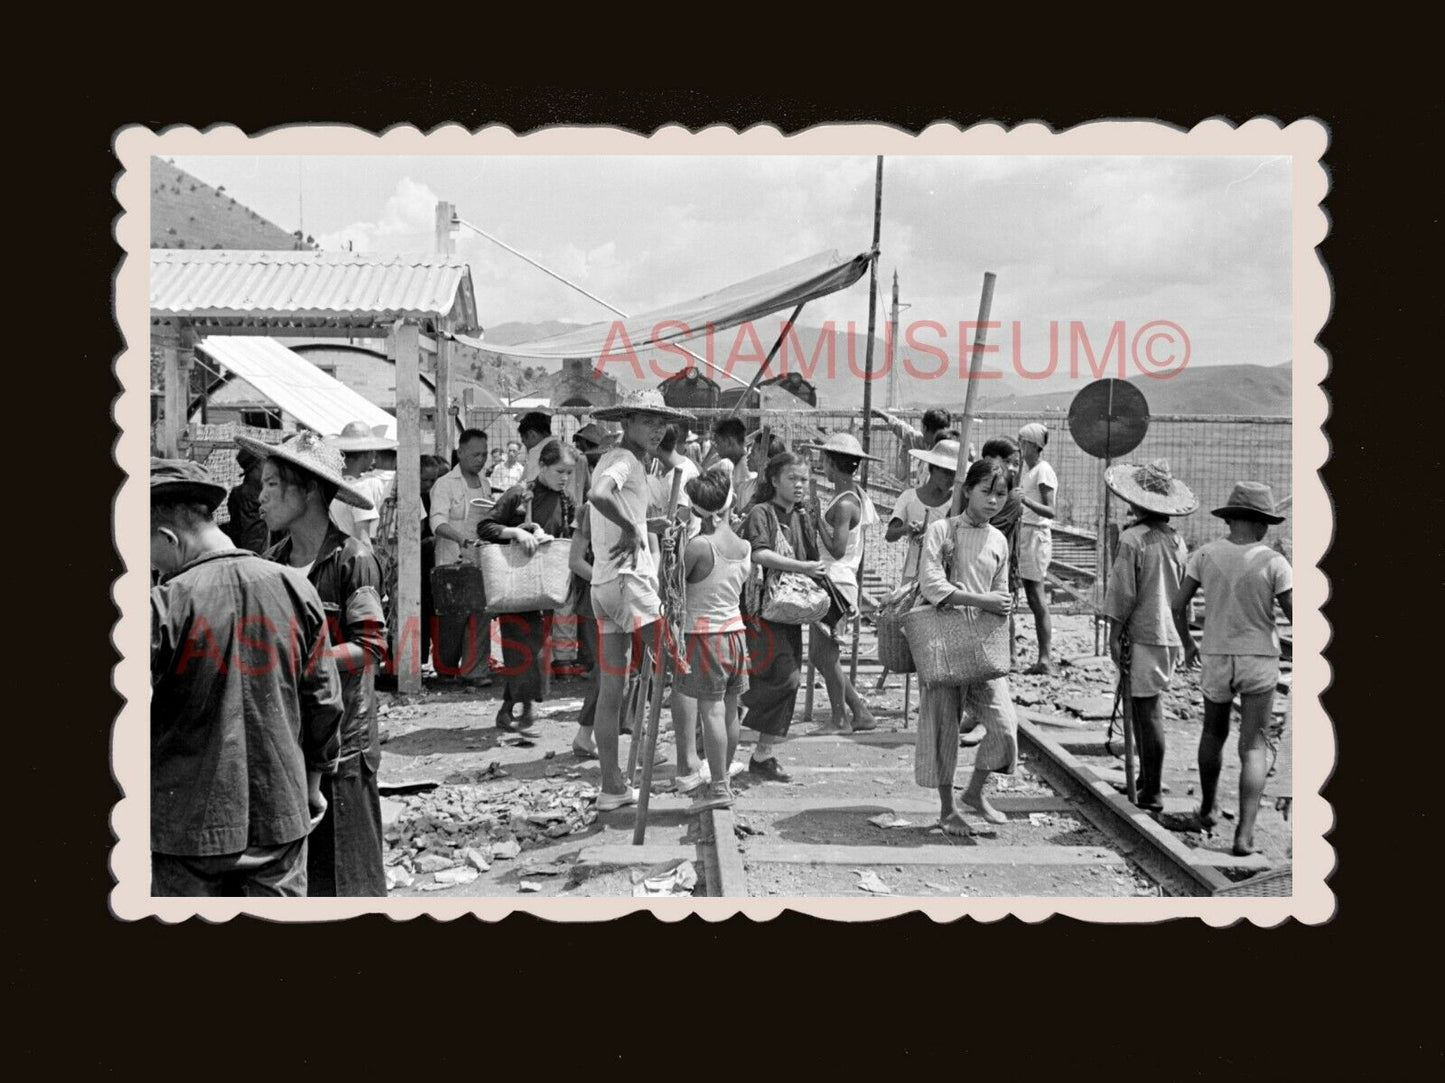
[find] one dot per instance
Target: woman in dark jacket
(525, 659)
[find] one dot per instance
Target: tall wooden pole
(872, 316)
(407, 635)
(985, 306)
(442, 434)
(893, 347)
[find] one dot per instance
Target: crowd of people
(268, 637)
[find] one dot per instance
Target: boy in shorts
(1242, 578)
(624, 571)
(1035, 537)
(1143, 583)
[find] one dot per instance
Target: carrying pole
(661, 666)
(808, 675)
(985, 306)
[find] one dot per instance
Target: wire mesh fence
(1209, 453)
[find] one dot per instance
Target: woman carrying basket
(525, 669)
(965, 564)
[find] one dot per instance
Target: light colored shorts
(1224, 676)
(717, 666)
(1036, 552)
(627, 603)
(1151, 668)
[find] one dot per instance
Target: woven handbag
(958, 646)
(518, 583)
(791, 597)
(893, 651)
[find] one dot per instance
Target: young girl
(775, 650)
(718, 563)
(526, 668)
(965, 563)
(919, 508)
(840, 534)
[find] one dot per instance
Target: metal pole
(763, 368)
(985, 306)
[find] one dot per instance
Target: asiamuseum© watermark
(1157, 348)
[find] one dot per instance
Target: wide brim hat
(943, 454)
(845, 444)
(1152, 488)
(645, 401)
(185, 481)
(594, 432)
(359, 436)
(1250, 500)
(315, 455)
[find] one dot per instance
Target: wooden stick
(858, 616)
(985, 305)
(907, 694)
(661, 665)
(808, 676)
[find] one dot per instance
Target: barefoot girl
(965, 563)
(718, 563)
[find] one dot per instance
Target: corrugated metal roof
(318, 401)
(222, 283)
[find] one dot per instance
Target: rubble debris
(675, 877)
(528, 885)
(868, 881)
(460, 875)
(888, 819)
(432, 863)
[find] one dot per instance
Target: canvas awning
(785, 288)
(315, 399)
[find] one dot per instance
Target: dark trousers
(345, 855)
(256, 872)
(775, 671)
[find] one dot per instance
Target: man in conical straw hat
(1242, 578)
(299, 481)
(840, 529)
(624, 572)
(358, 446)
(1145, 577)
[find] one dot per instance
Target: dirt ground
(461, 796)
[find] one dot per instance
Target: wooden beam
(174, 401)
(407, 635)
(442, 422)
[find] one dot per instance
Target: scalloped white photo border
(1303, 141)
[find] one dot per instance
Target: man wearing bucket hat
(1242, 578)
(1143, 582)
(593, 441)
(242, 728)
(1036, 541)
(840, 528)
(624, 572)
(301, 478)
(358, 446)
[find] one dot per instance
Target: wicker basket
(518, 583)
(893, 652)
(957, 646)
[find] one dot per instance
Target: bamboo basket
(893, 651)
(957, 646)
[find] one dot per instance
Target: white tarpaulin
(315, 399)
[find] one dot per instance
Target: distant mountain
(188, 213)
(1254, 390)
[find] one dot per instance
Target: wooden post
(985, 305)
(872, 317)
(660, 668)
(174, 392)
(407, 635)
(442, 436)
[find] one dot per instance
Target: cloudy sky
(1201, 242)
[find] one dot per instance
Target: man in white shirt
(673, 462)
(510, 473)
(730, 448)
(462, 639)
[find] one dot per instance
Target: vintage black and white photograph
(854, 522)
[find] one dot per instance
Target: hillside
(188, 213)
(1257, 390)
